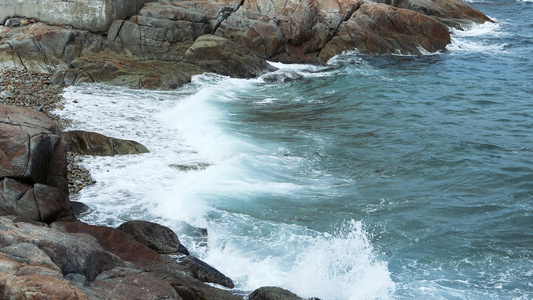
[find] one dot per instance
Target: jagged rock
(156, 237)
(204, 272)
(92, 143)
(272, 293)
(169, 40)
(31, 149)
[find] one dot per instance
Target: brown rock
(31, 149)
(113, 240)
(92, 143)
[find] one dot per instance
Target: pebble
(35, 90)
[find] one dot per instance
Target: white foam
(477, 39)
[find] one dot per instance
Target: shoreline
(19, 87)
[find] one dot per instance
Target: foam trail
(477, 39)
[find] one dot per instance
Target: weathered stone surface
(454, 13)
(31, 149)
(156, 237)
(382, 29)
(42, 246)
(44, 48)
(272, 293)
(169, 40)
(223, 56)
(92, 143)
(95, 15)
(113, 240)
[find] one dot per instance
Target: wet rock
(204, 272)
(272, 293)
(92, 143)
(156, 237)
(285, 76)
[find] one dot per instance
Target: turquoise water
(388, 177)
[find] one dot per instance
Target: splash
(342, 266)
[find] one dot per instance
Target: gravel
(35, 90)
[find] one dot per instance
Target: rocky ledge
(168, 41)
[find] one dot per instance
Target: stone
(204, 272)
(31, 148)
(272, 293)
(156, 237)
(114, 241)
(92, 143)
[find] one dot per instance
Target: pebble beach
(35, 90)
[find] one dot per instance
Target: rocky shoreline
(45, 251)
(19, 87)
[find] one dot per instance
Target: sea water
(373, 177)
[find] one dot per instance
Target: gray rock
(272, 293)
(156, 237)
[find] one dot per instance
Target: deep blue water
(374, 177)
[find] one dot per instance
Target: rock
(383, 29)
(191, 289)
(169, 41)
(79, 208)
(7, 94)
(281, 76)
(31, 148)
(272, 293)
(453, 13)
(156, 237)
(39, 202)
(92, 143)
(113, 240)
(223, 56)
(204, 272)
(126, 284)
(34, 245)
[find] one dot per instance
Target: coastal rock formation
(169, 41)
(272, 293)
(93, 143)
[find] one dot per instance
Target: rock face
(92, 143)
(33, 168)
(169, 41)
(272, 293)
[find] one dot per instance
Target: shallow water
(385, 177)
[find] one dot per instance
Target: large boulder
(31, 148)
(92, 143)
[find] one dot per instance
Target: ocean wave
(478, 38)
